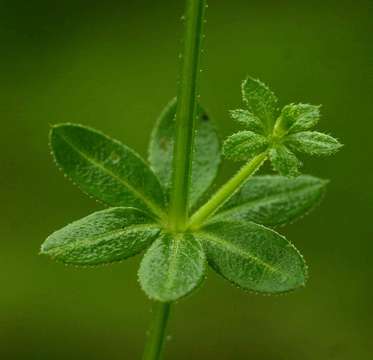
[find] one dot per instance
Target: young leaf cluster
(279, 133)
(237, 240)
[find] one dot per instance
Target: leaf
(106, 169)
(247, 119)
(102, 237)
(244, 145)
(273, 200)
(313, 143)
(253, 257)
(261, 102)
(172, 267)
(298, 117)
(206, 159)
(284, 161)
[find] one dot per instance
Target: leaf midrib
(253, 140)
(157, 210)
(94, 240)
(267, 200)
(236, 250)
(171, 273)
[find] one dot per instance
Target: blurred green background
(113, 65)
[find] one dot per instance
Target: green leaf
(297, 117)
(247, 119)
(284, 161)
(261, 102)
(106, 169)
(244, 145)
(102, 237)
(253, 257)
(313, 143)
(206, 159)
(172, 267)
(273, 200)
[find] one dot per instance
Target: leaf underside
(273, 200)
(172, 267)
(206, 158)
(253, 257)
(102, 237)
(106, 169)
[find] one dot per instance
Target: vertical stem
(185, 119)
(157, 331)
(186, 111)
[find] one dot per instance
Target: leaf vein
(235, 249)
(173, 261)
(102, 237)
(157, 210)
(264, 201)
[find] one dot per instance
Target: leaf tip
(55, 129)
(46, 247)
(42, 250)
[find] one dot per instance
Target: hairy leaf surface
(298, 117)
(102, 237)
(247, 119)
(172, 267)
(313, 143)
(244, 145)
(106, 169)
(253, 256)
(261, 102)
(206, 157)
(284, 161)
(273, 200)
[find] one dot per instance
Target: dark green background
(113, 65)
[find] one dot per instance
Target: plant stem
(186, 112)
(157, 331)
(226, 191)
(185, 118)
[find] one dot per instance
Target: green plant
(161, 207)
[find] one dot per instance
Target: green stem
(157, 331)
(226, 191)
(186, 111)
(182, 163)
